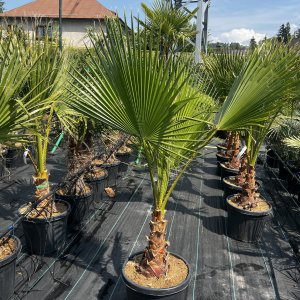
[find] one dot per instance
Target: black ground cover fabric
(89, 265)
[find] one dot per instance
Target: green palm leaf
(134, 90)
(267, 81)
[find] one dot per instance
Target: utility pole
(201, 24)
(60, 24)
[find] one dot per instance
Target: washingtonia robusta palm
(138, 92)
(16, 111)
(135, 90)
(171, 24)
(45, 84)
(267, 84)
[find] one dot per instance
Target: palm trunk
(155, 261)
(77, 160)
(229, 144)
(46, 207)
(240, 179)
(248, 197)
(235, 161)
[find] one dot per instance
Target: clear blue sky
(230, 20)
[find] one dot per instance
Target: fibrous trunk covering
(78, 158)
(46, 207)
(240, 179)
(235, 161)
(155, 258)
(248, 197)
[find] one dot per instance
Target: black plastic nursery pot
(221, 134)
(293, 177)
(98, 185)
(244, 225)
(80, 206)
(137, 292)
(220, 159)
(2, 166)
(226, 172)
(124, 158)
(13, 158)
(112, 170)
(44, 236)
(220, 147)
(272, 159)
(230, 188)
(283, 171)
(8, 271)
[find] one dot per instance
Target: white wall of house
(74, 30)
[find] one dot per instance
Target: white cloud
(240, 35)
(294, 27)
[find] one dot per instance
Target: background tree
(284, 33)
(252, 44)
(170, 24)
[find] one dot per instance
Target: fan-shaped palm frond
(220, 70)
(13, 75)
(170, 24)
(135, 91)
(293, 142)
(267, 81)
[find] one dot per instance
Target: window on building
(43, 30)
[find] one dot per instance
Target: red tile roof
(72, 9)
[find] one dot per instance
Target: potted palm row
(44, 220)
(17, 112)
(268, 81)
(160, 103)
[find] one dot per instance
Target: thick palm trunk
(78, 159)
(248, 197)
(155, 258)
(229, 144)
(46, 207)
(235, 161)
(240, 179)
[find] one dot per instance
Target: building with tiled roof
(78, 16)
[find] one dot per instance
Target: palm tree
(16, 112)
(169, 23)
(219, 71)
(136, 91)
(44, 85)
(267, 83)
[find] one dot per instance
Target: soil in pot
(226, 172)
(112, 167)
(96, 178)
(221, 158)
(177, 273)
(45, 235)
(247, 225)
(9, 250)
(171, 287)
(123, 155)
(80, 204)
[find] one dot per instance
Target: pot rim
(93, 179)
(77, 196)
(52, 219)
(222, 164)
(5, 261)
(237, 186)
(248, 212)
(157, 291)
